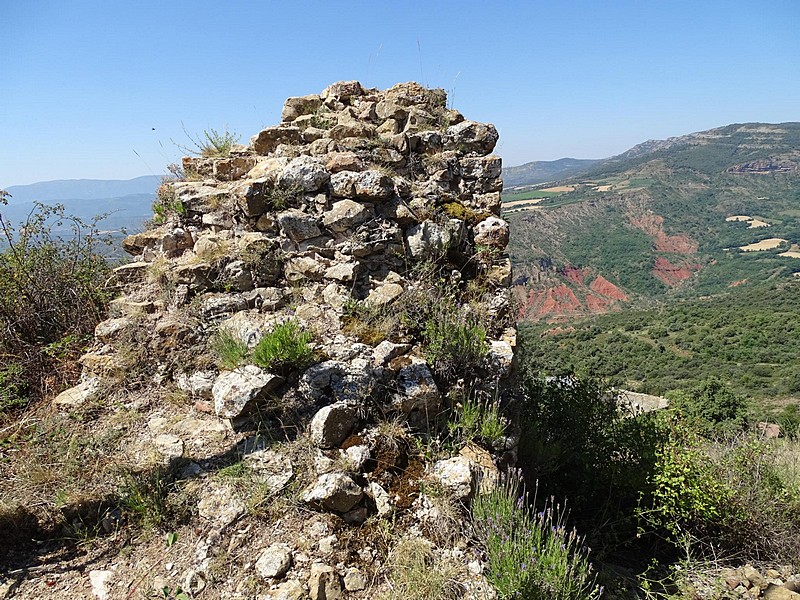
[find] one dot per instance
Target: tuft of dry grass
(416, 572)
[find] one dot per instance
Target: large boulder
(304, 173)
(298, 225)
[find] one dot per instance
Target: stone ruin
(362, 218)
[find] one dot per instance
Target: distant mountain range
(126, 202)
(543, 171)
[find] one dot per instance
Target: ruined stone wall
(340, 203)
(367, 219)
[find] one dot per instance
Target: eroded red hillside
(672, 274)
(562, 292)
(653, 225)
(604, 287)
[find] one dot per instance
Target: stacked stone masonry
(353, 200)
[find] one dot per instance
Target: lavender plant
(531, 555)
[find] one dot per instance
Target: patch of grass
(282, 197)
(211, 143)
(167, 203)
(454, 342)
(477, 418)
(533, 556)
(151, 499)
(416, 573)
(229, 349)
(369, 323)
(284, 349)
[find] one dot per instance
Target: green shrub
(13, 389)
(579, 443)
(52, 294)
(454, 343)
(789, 420)
(730, 496)
(211, 143)
(166, 203)
(712, 407)
(686, 499)
(284, 349)
(531, 556)
(229, 349)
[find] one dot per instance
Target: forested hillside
(683, 217)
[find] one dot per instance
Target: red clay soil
(574, 274)
(604, 287)
(560, 300)
(653, 225)
(671, 274)
(598, 304)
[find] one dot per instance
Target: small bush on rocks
(477, 417)
(285, 348)
(230, 351)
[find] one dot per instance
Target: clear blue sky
(85, 82)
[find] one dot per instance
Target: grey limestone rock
(458, 475)
(469, 136)
(298, 225)
(333, 491)
(332, 424)
(274, 562)
(303, 173)
(346, 214)
(492, 232)
(416, 387)
(234, 390)
(324, 583)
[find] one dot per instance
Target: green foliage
(686, 498)
(734, 496)
(167, 203)
(532, 556)
(211, 143)
(478, 417)
(454, 342)
(229, 349)
(748, 338)
(13, 388)
(146, 498)
(688, 184)
(284, 349)
(579, 443)
(281, 197)
(789, 420)
(52, 294)
(712, 408)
